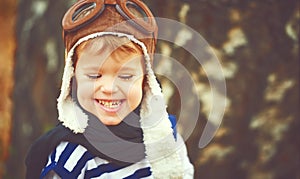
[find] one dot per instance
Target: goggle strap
(136, 25)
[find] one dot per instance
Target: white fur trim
(158, 138)
(157, 131)
(76, 120)
(73, 118)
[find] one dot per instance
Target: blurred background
(256, 41)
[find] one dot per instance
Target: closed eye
(94, 76)
(126, 76)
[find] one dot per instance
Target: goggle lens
(136, 10)
(83, 11)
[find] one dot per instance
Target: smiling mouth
(110, 104)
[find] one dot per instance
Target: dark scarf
(99, 139)
(121, 143)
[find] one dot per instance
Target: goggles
(86, 11)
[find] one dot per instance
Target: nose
(108, 86)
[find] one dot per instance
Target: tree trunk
(7, 47)
(39, 62)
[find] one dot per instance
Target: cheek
(84, 92)
(135, 93)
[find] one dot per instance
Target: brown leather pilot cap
(110, 20)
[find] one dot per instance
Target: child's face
(109, 85)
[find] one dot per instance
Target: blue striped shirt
(71, 160)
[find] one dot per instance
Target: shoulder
(173, 121)
(46, 143)
(38, 152)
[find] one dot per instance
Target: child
(113, 120)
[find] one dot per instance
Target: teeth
(110, 104)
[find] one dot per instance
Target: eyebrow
(91, 68)
(126, 68)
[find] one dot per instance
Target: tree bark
(7, 47)
(39, 62)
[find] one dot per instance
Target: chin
(113, 122)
